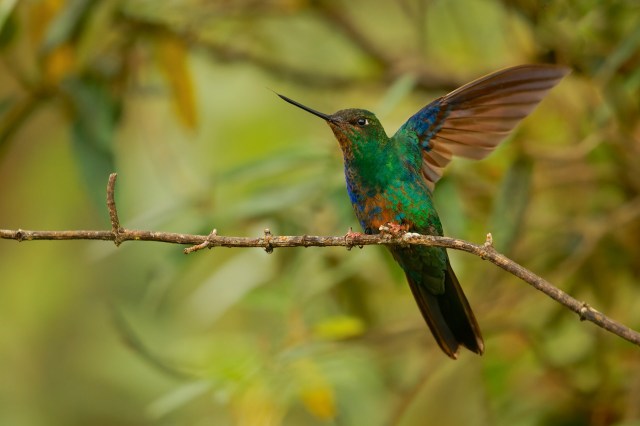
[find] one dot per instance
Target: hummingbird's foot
(394, 229)
(349, 236)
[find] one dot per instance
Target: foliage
(173, 96)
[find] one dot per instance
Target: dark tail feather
(449, 316)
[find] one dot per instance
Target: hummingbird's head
(355, 129)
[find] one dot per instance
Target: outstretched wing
(473, 119)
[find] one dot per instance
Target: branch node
(348, 239)
(488, 243)
(267, 241)
(584, 311)
(207, 243)
(487, 247)
(305, 243)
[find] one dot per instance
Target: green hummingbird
(390, 180)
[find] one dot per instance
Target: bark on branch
(269, 242)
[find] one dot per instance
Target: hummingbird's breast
(371, 207)
(402, 198)
(385, 185)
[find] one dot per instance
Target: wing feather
(472, 120)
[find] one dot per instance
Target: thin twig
(391, 64)
(269, 242)
(203, 245)
(339, 20)
(111, 206)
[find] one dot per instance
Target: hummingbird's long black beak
(306, 108)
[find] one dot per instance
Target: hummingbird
(390, 180)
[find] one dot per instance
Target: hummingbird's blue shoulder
(424, 125)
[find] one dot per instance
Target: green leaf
(96, 113)
(178, 398)
(511, 204)
(228, 284)
(315, 391)
(8, 24)
(399, 90)
(66, 24)
(450, 208)
(627, 47)
(339, 327)
(173, 59)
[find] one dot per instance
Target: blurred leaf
(450, 207)
(270, 201)
(234, 359)
(40, 15)
(568, 343)
(316, 393)
(58, 22)
(627, 47)
(257, 405)
(8, 24)
(276, 163)
(135, 343)
(351, 375)
(452, 394)
(95, 46)
(178, 398)
(173, 57)
(228, 284)
(320, 274)
(399, 90)
(96, 113)
(320, 401)
(67, 22)
(511, 204)
(59, 63)
(339, 327)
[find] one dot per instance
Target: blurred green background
(175, 97)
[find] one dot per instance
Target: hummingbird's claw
(349, 236)
(393, 229)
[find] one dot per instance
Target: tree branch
(425, 78)
(269, 242)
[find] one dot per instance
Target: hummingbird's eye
(362, 121)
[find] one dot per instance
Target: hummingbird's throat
(342, 135)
